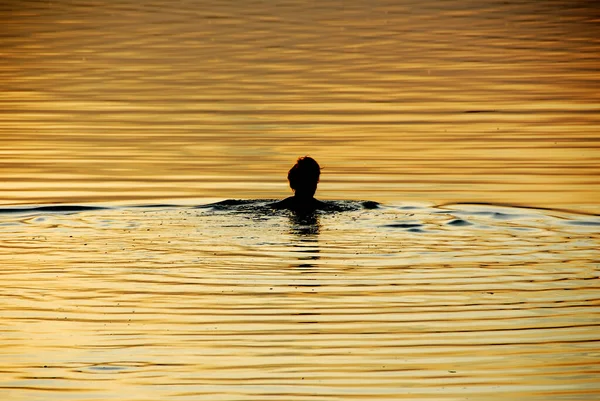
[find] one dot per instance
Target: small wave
(155, 206)
(403, 225)
(513, 207)
(230, 204)
(584, 223)
(264, 206)
(459, 223)
(52, 208)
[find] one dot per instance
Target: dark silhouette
(304, 230)
(303, 178)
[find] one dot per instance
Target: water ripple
(194, 301)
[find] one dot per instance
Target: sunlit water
(237, 302)
(399, 100)
(442, 111)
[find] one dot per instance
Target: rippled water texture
(442, 111)
(422, 100)
(233, 302)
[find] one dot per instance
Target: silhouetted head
(304, 177)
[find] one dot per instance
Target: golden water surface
(401, 302)
(424, 100)
(474, 123)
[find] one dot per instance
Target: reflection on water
(115, 103)
(305, 226)
(305, 230)
(228, 302)
(399, 100)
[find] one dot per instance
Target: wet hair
(304, 176)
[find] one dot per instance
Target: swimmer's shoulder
(293, 204)
(287, 203)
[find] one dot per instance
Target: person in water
(303, 177)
